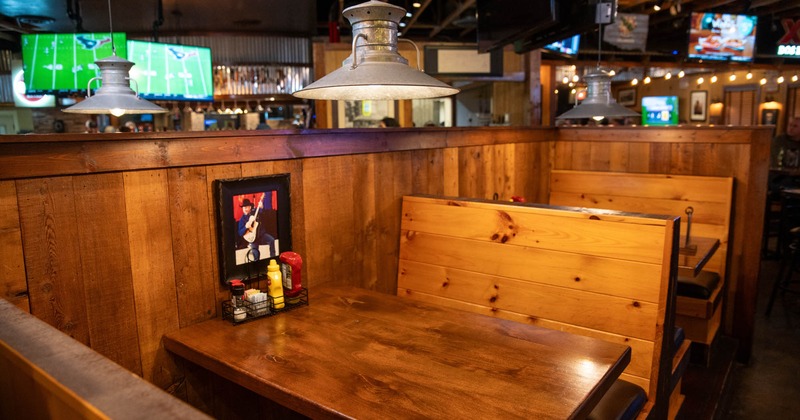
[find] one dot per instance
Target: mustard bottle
(275, 289)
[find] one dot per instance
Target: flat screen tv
(722, 37)
(171, 71)
(660, 110)
(56, 63)
(566, 47)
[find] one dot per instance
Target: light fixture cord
(111, 28)
(599, 42)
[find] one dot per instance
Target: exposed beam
(416, 14)
(453, 16)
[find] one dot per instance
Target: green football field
(66, 62)
(167, 71)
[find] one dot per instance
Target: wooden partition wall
(112, 238)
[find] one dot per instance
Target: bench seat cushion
(699, 287)
(623, 400)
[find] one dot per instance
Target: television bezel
(675, 112)
(691, 55)
(164, 97)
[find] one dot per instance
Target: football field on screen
(65, 62)
(166, 71)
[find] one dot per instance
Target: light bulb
(681, 74)
(416, 4)
(634, 82)
(612, 73)
(647, 80)
(748, 76)
(668, 76)
(714, 79)
(575, 78)
(598, 118)
(565, 80)
(780, 79)
(117, 112)
(732, 77)
(794, 78)
(763, 81)
(700, 80)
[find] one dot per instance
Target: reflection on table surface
(363, 354)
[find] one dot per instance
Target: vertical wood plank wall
(738, 152)
(112, 239)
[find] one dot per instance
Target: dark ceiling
(435, 20)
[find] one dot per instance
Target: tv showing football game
(566, 47)
(55, 63)
(722, 37)
(660, 110)
(171, 72)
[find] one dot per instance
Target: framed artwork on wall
(769, 116)
(253, 224)
(698, 105)
(627, 97)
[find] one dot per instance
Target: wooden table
(362, 354)
(692, 259)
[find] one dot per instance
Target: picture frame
(769, 116)
(698, 105)
(626, 97)
(247, 243)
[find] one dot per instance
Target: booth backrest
(601, 274)
(710, 198)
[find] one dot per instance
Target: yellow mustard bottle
(275, 289)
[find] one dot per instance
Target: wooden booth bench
(46, 374)
(700, 294)
(603, 274)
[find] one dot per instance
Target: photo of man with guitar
(253, 227)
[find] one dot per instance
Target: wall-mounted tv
(566, 47)
(54, 63)
(660, 110)
(722, 37)
(171, 71)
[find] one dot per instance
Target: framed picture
(627, 97)
(253, 226)
(769, 116)
(698, 105)
(363, 114)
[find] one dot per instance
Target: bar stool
(789, 264)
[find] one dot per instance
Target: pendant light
(115, 95)
(375, 70)
(599, 103)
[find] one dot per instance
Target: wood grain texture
(13, 285)
(362, 354)
(106, 268)
(542, 265)
(53, 254)
(152, 270)
(195, 278)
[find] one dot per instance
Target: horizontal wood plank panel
(641, 350)
(733, 135)
(588, 234)
(579, 272)
(597, 311)
(13, 284)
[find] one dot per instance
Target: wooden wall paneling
(660, 158)
(581, 154)
(619, 156)
(13, 284)
(562, 156)
(600, 157)
(152, 270)
(427, 171)
(52, 254)
(682, 156)
(451, 168)
(197, 281)
(498, 172)
(393, 180)
(213, 173)
(106, 267)
(470, 172)
(359, 257)
(639, 157)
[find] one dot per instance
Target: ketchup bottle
(291, 270)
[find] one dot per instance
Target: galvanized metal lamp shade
(374, 70)
(115, 95)
(598, 103)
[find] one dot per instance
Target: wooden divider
(710, 197)
(601, 274)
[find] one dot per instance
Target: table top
(363, 354)
(692, 259)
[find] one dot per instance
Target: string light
(647, 80)
(681, 74)
(668, 76)
(700, 80)
(732, 77)
(763, 81)
(714, 78)
(634, 82)
(794, 78)
(576, 78)
(565, 80)
(749, 75)
(780, 79)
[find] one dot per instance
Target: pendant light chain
(111, 28)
